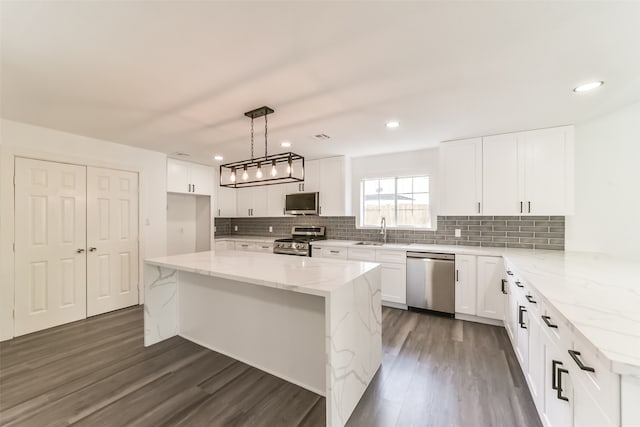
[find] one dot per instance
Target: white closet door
(50, 257)
(112, 240)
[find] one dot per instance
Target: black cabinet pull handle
(478, 207)
(547, 321)
(521, 207)
(521, 310)
(519, 284)
(194, 188)
(530, 299)
(554, 370)
(574, 355)
(92, 249)
(509, 272)
(457, 275)
(504, 291)
(529, 203)
(559, 390)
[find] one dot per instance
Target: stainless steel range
(299, 243)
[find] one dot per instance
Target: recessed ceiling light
(588, 86)
(285, 144)
(218, 157)
(393, 124)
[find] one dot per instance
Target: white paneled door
(112, 240)
(50, 257)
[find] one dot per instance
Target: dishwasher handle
(430, 255)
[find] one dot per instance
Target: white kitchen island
(313, 322)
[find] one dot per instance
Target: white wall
(396, 164)
(20, 139)
(607, 159)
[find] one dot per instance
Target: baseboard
(479, 319)
(394, 305)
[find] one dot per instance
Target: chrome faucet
(383, 230)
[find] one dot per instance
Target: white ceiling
(178, 76)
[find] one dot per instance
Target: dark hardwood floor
(96, 372)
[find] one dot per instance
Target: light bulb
(290, 166)
(274, 171)
(259, 171)
(245, 175)
(232, 178)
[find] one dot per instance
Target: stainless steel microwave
(302, 203)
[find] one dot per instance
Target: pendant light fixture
(252, 173)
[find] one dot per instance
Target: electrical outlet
(458, 233)
(270, 229)
(235, 228)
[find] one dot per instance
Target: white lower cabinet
(222, 245)
(490, 300)
(465, 277)
(569, 390)
(393, 267)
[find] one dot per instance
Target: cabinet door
(201, 179)
(522, 332)
(332, 186)
(535, 375)
(557, 412)
(311, 176)
(544, 166)
(226, 202)
(510, 312)
(394, 283)
(490, 299)
(275, 198)
(177, 176)
(260, 199)
(244, 201)
(500, 186)
(465, 284)
(461, 168)
(586, 410)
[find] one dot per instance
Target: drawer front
(245, 246)
(332, 252)
(391, 257)
(264, 247)
(362, 254)
(602, 384)
(555, 327)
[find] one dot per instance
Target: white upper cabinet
(500, 185)
(332, 186)
(225, 202)
(523, 173)
(311, 176)
(461, 172)
(546, 167)
(189, 178)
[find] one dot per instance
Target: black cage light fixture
(271, 169)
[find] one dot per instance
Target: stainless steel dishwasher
(431, 282)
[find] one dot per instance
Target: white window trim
(359, 217)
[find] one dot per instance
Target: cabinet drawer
(555, 327)
(362, 254)
(602, 384)
(393, 257)
(333, 252)
(264, 247)
(245, 246)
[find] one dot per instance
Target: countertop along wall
(607, 214)
(21, 139)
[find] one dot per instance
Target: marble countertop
(313, 276)
(597, 294)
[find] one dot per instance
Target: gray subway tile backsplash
(491, 231)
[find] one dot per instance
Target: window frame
(361, 204)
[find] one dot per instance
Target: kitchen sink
(369, 244)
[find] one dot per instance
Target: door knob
(92, 249)
(79, 251)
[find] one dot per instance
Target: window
(402, 201)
